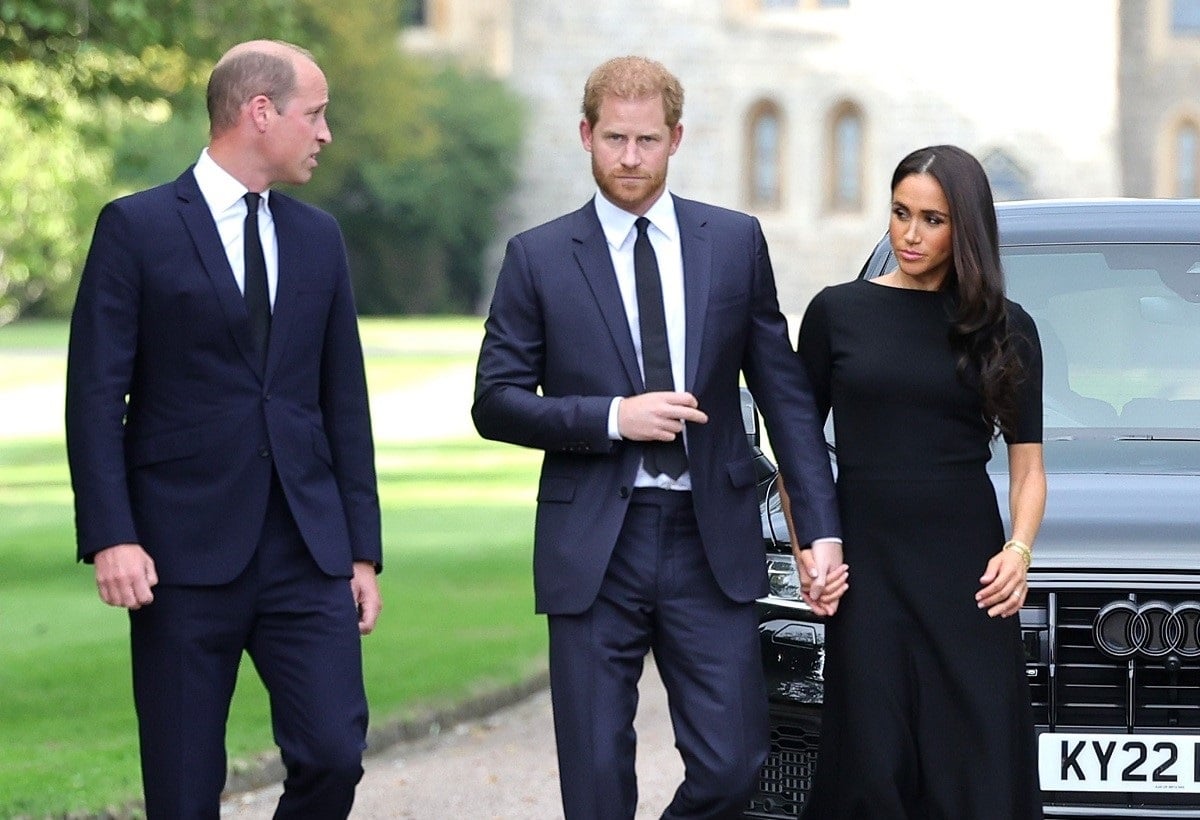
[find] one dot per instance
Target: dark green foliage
(73, 75)
(106, 97)
(128, 48)
(423, 154)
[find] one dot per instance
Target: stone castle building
(798, 110)
(1159, 94)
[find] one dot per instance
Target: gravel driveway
(498, 768)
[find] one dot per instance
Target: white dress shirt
(223, 195)
(619, 231)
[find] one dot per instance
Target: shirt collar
(618, 224)
(219, 188)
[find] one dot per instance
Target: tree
(130, 48)
(46, 170)
(108, 97)
(72, 73)
(423, 155)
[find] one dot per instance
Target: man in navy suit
(615, 342)
(220, 448)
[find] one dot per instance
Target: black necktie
(668, 456)
(258, 298)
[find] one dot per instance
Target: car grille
(1074, 686)
(787, 775)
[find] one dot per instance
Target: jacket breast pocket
(729, 301)
(556, 488)
(315, 290)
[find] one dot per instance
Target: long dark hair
(980, 332)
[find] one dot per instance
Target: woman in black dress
(926, 704)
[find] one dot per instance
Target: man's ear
(676, 137)
(585, 134)
(259, 110)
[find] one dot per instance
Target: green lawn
(458, 616)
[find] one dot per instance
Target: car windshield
(1120, 333)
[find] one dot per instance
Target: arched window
(1187, 146)
(764, 172)
(845, 157)
(1009, 180)
(414, 13)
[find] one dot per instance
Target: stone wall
(1034, 79)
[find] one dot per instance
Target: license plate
(1119, 763)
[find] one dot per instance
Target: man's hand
(365, 587)
(657, 416)
(824, 577)
(124, 575)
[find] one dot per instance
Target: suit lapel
(289, 242)
(200, 225)
(695, 244)
(591, 252)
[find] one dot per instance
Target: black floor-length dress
(926, 704)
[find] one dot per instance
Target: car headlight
(782, 577)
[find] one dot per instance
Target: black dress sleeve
(815, 350)
(1029, 391)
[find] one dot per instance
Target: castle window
(1009, 180)
(845, 153)
(803, 4)
(765, 155)
(414, 13)
(1185, 17)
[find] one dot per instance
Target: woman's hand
(1004, 586)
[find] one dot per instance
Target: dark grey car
(1112, 623)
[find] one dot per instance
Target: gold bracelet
(1021, 548)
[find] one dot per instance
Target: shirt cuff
(826, 540)
(614, 427)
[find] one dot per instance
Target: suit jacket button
(263, 452)
(623, 492)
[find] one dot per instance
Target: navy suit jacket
(171, 428)
(557, 348)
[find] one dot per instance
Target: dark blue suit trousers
(659, 595)
(299, 627)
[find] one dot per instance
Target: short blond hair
(633, 78)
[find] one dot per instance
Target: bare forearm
(1027, 491)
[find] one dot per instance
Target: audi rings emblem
(1154, 629)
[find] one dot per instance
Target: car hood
(1114, 504)
(1117, 522)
